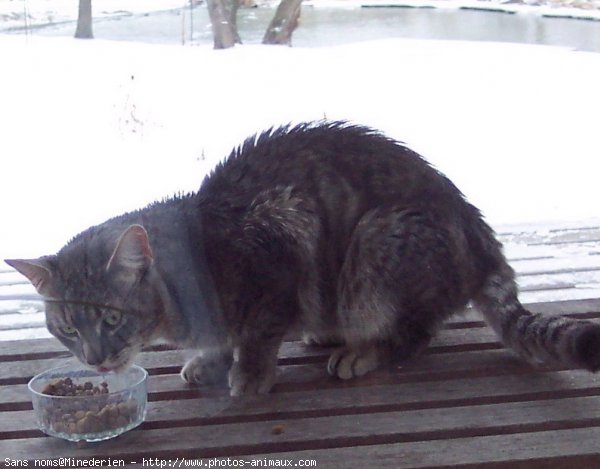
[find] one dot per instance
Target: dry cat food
(66, 387)
(277, 429)
(86, 415)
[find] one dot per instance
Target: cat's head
(100, 293)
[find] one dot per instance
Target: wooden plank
(544, 287)
(525, 268)
(5, 282)
(330, 432)
(19, 350)
(314, 375)
(18, 366)
(342, 400)
(467, 402)
(577, 308)
(25, 334)
(455, 343)
(18, 318)
(18, 372)
(584, 308)
(592, 239)
(557, 275)
(591, 292)
(557, 283)
(21, 297)
(16, 302)
(539, 281)
(18, 285)
(296, 378)
(559, 449)
(30, 349)
(21, 371)
(544, 270)
(40, 348)
(536, 236)
(557, 290)
(6, 270)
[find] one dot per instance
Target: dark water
(331, 26)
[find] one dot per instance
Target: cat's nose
(94, 361)
(92, 356)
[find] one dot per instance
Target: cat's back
(333, 159)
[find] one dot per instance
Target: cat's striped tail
(539, 338)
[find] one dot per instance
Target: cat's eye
(68, 330)
(112, 318)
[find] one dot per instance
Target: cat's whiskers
(125, 357)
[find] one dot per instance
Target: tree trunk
(84, 20)
(284, 23)
(222, 15)
(235, 4)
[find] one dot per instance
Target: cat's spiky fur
(330, 225)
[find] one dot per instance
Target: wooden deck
(466, 403)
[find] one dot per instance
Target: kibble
(277, 429)
(79, 416)
(66, 387)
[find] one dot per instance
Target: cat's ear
(38, 271)
(133, 252)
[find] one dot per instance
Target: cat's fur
(330, 225)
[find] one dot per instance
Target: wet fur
(329, 225)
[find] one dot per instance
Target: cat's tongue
(103, 369)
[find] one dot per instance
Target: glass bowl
(98, 406)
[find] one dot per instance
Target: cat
(327, 224)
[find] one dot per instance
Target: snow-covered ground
(91, 129)
(94, 128)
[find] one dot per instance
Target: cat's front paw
(244, 383)
(346, 363)
(202, 370)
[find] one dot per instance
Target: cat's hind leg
(397, 284)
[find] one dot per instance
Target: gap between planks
(221, 409)
(333, 431)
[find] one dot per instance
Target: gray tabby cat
(329, 225)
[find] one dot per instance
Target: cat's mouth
(118, 363)
(113, 368)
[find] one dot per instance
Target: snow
(95, 128)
